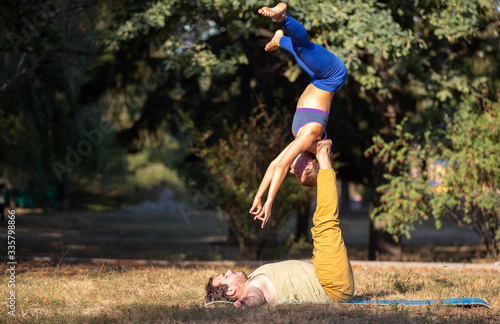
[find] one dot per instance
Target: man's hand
(240, 303)
(254, 299)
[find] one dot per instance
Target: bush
(238, 164)
(451, 171)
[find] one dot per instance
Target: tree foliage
(237, 165)
(448, 171)
(156, 66)
(44, 47)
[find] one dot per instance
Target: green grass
(107, 294)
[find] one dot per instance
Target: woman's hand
(256, 207)
(265, 213)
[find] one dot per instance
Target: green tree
(414, 59)
(208, 71)
(214, 50)
(449, 59)
(43, 47)
(410, 59)
(450, 171)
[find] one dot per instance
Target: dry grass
(121, 294)
(93, 294)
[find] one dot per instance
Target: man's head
(226, 286)
(305, 167)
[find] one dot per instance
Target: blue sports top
(305, 116)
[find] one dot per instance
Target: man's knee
(339, 293)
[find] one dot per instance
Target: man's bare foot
(323, 150)
(324, 147)
(278, 13)
(274, 44)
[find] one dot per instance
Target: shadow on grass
(299, 313)
(155, 235)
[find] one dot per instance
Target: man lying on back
(328, 278)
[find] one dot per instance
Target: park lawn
(86, 293)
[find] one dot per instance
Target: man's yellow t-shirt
(295, 282)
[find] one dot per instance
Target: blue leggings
(328, 71)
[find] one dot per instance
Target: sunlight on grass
(98, 294)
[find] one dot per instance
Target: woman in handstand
(328, 74)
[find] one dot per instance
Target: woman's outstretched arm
(299, 145)
(266, 181)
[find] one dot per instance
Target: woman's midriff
(313, 97)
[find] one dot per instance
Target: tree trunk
(63, 196)
(345, 200)
(302, 229)
(244, 99)
(382, 245)
(232, 239)
(12, 201)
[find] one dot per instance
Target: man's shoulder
(276, 269)
(264, 285)
(259, 279)
(285, 264)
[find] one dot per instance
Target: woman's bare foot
(278, 13)
(274, 44)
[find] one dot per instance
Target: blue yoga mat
(424, 302)
(450, 301)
